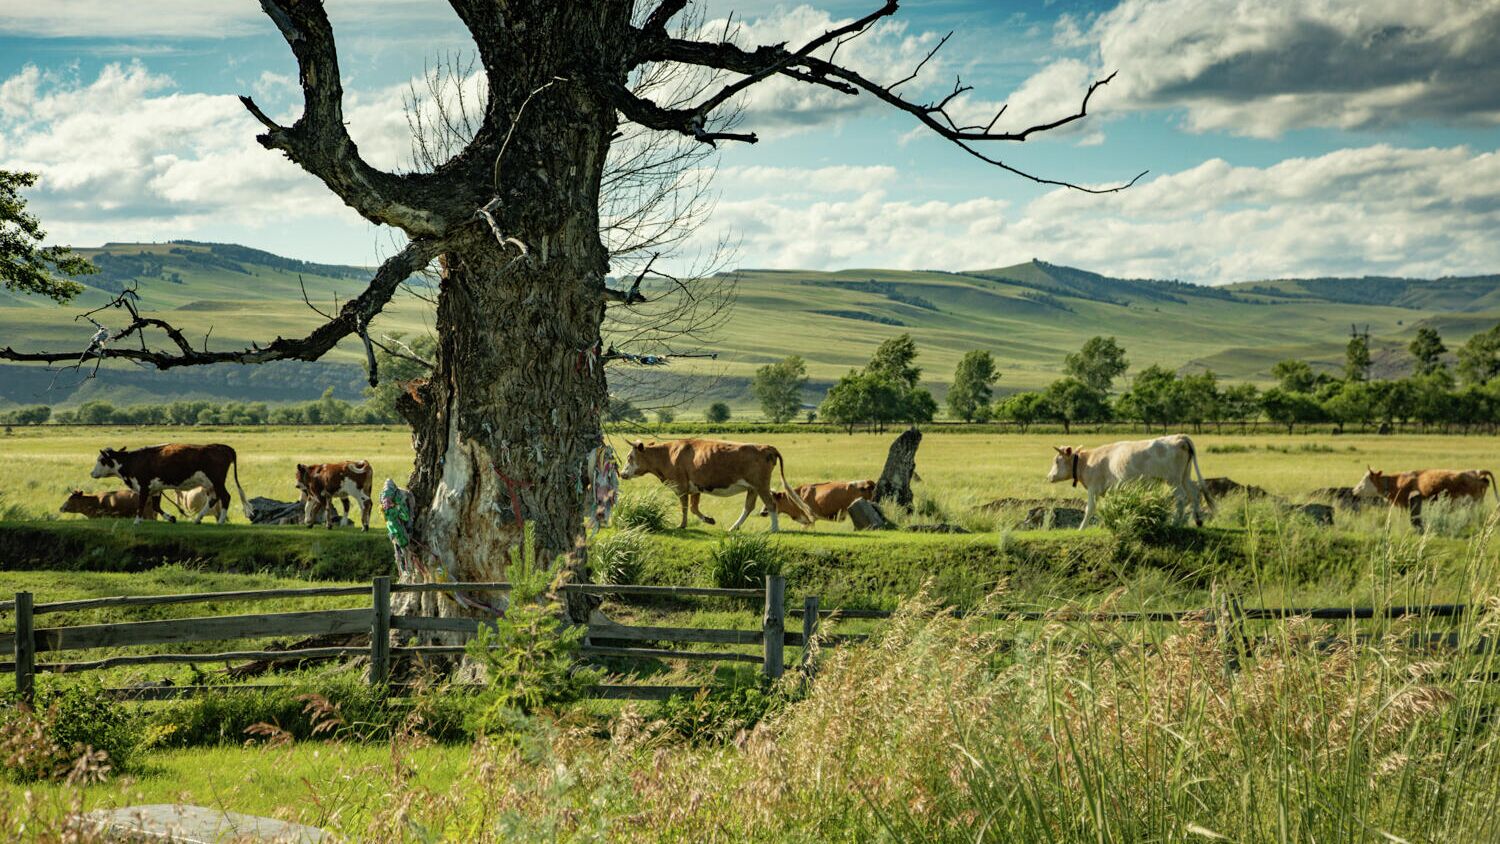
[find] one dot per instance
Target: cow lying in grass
(829, 501)
(1171, 459)
(693, 467)
(118, 504)
(1431, 483)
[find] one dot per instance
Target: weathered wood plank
(709, 636)
(662, 653)
(773, 626)
(188, 659)
(380, 630)
(662, 591)
(206, 628)
(424, 622)
(195, 597)
(23, 649)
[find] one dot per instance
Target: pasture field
(38, 466)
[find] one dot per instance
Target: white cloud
(1266, 67)
(1376, 210)
(182, 18)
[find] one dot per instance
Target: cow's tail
(234, 464)
(790, 492)
(1486, 473)
(1202, 487)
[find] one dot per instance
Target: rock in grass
(1040, 518)
(185, 824)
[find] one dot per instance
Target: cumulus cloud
(1264, 68)
(180, 18)
(128, 154)
(1375, 210)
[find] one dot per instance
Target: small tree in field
(1098, 363)
(973, 386)
(779, 387)
(1428, 350)
(717, 413)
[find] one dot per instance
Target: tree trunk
(505, 427)
(900, 465)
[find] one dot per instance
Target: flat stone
(1053, 517)
(183, 824)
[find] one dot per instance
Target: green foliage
(1294, 376)
(1290, 408)
(973, 385)
(778, 387)
(735, 701)
(895, 359)
(1428, 350)
(665, 415)
(1154, 397)
(25, 265)
(621, 409)
(743, 560)
(1357, 358)
(648, 512)
(1098, 363)
(1139, 512)
(36, 414)
(1479, 357)
(619, 557)
(327, 707)
(528, 654)
(717, 412)
(58, 738)
(1071, 401)
(1024, 409)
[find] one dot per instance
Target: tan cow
(829, 500)
(321, 483)
(119, 504)
(693, 467)
(1431, 483)
(197, 500)
(1172, 459)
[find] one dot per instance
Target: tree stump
(866, 516)
(900, 466)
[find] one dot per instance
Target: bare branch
(354, 317)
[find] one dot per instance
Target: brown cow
(1431, 483)
(692, 467)
(828, 501)
(321, 483)
(111, 505)
(175, 466)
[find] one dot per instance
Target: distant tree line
(324, 411)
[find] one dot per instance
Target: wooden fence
(605, 639)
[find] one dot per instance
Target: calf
(829, 501)
(175, 466)
(118, 504)
(197, 500)
(1172, 459)
(1431, 483)
(321, 483)
(692, 467)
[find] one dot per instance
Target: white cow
(1105, 467)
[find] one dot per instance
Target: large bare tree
(506, 427)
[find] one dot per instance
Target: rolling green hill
(1029, 315)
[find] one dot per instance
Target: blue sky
(1282, 138)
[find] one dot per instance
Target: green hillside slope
(1029, 315)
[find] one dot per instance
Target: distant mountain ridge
(1029, 315)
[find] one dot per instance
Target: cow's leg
(750, 506)
(331, 511)
(142, 504)
(221, 496)
(693, 502)
(208, 504)
(683, 500)
(310, 511)
(1088, 511)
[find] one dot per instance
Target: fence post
(809, 629)
(773, 626)
(25, 650)
(380, 632)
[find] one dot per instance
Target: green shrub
(1139, 512)
(1453, 518)
(528, 655)
(343, 707)
(645, 511)
(619, 557)
(74, 733)
(744, 560)
(929, 508)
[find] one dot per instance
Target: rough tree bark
(900, 466)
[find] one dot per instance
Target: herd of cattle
(691, 468)
(198, 475)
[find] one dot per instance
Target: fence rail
(604, 639)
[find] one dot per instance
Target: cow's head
(636, 466)
(109, 463)
(303, 475)
(75, 502)
(786, 507)
(1062, 464)
(1370, 485)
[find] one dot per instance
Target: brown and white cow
(829, 500)
(1431, 483)
(693, 467)
(175, 466)
(118, 504)
(1172, 459)
(322, 483)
